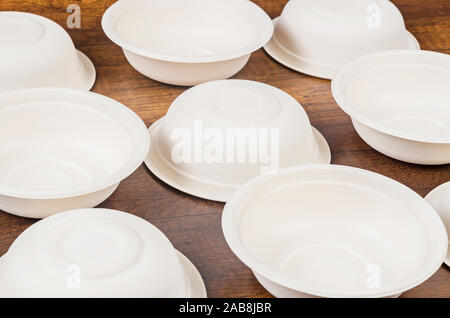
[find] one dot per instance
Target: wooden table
(192, 224)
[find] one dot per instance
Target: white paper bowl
(316, 37)
(63, 149)
(439, 199)
(97, 253)
(187, 42)
(334, 231)
(280, 127)
(399, 102)
(37, 52)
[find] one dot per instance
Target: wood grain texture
(192, 224)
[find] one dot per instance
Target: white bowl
(399, 102)
(439, 199)
(316, 37)
(334, 231)
(37, 52)
(96, 253)
(187, 42)
(63, 149)
(253, 128)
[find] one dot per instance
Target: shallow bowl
(218, 135)
(316, 37)
(96, 253)
(334, 231)
(63, 149)
(399, 103)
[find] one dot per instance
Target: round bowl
(334, 231)
(37, 52)
(316, 37)
(63, 149)
(96, 253)
(439, 199)
(218, 135)
(399, 103)
(187, 42)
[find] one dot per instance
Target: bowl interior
(192, 29)
(338, 233)
(405, 93)
(55, 144)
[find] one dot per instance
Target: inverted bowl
(218, 135)
(37, 52)
(399, 103)
(187, 42)
(316, 37)
(439, 199)
(334, 231)
(64, 149)
(97, 253)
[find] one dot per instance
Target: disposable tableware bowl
(96, 253)
(37, 52)
(399, 102)
(218, 135)
(316, 37)
(334, 231)
(439, 199)
(187, 42)
(63, 149)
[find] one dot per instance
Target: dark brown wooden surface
(192, 224)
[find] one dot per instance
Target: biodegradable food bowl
(439, 199)
(399, 102)
(37, 52)
(316, 37)
(96, 253)
(63, 149)
(218, 135)
(187, 42)
(334, 231)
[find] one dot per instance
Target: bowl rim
(109, 27)
(137, 156)
(236, 245)
(339, 95)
